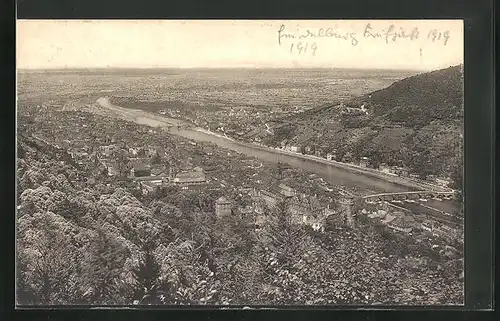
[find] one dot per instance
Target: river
(362, 183)
(331, 174)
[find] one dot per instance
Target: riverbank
(205, 131)
(156, 120)
(393, 178)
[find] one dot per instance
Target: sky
(421, 44)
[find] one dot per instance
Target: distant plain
(209, 88)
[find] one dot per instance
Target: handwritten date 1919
(435, 35)
(302, 48)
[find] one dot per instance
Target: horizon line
(230, 67)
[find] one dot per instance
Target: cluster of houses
(442, 230)
(439, 180)
(363, 162)
(406, 223)
(396, 220)
(140, 166)
(149, 181)
(302, 209)
(362, 110)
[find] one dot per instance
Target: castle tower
(223, 207)
(346, 206)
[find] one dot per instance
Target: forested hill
(416, 122)
(420, 99)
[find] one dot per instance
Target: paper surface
(418, 44)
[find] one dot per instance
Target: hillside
(416, 122)
(419, 100)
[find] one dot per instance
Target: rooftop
(140, 166)
(222, 200)
(189, 177)
(147, 179)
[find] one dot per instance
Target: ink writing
(307, 40)
(303, 48)
(316, 34)
(391, 34)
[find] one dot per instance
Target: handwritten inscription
(392, 34)
(305, 41)
(302, 48)
(320, 33)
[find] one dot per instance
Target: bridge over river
(413, 195)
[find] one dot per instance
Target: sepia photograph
(239, 163)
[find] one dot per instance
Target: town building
(246, 211)
(364, 162)
(133, 151)
(403, 172)
(380, 214)
(260, 221)
(446, 232)
(157, 171)
(346, 210)
(269, 198)
(384, 168)
(431, 178)
(286, 190)
(427, 225)
(402, 224)
(111, 167)
(348, 158)
(208, 150)
(333, 217)
(107, 150)
(388, 218)
(445, 182)
(190, 178)
(223, 207)
(140, 169)
(148, 186)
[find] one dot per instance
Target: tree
(284, 233)
(122, 163)
(457, 176)
(47, 260)
(156, 159)
(278, 170)
(24, 292)
(421, 164)
(104, 268)
(147, 276)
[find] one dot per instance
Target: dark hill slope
(416, 122)
(420, 99)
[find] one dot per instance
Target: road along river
(361, 180)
